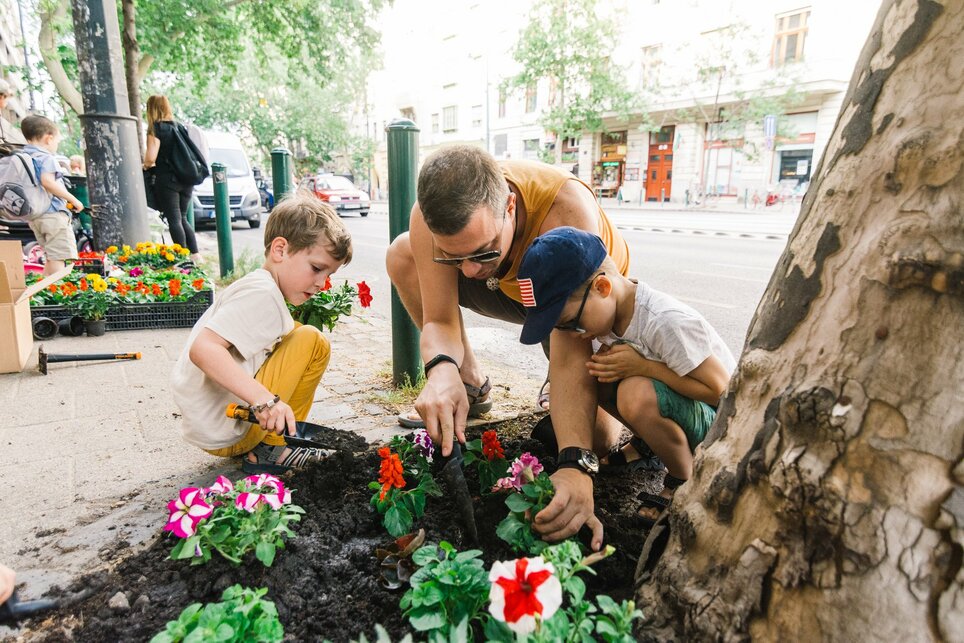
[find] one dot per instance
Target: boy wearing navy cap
(661, 367)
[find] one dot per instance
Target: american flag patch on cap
(525, 289)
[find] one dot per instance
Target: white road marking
(710, 274)
(736, 265)
(704, 302)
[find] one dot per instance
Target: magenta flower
(187, 511)
(423, 443)
(221, 486)
(524, 470)
(264, 489)
(136, 272)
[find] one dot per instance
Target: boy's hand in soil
(277, 419)
(571, 508)
(8, 580)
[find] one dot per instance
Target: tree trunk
(826, 503)
(48, 51)
(132, 55)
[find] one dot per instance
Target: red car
(338, 192)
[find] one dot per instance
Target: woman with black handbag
(171, 195)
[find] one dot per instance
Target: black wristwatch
(576, 458)
(438, 359)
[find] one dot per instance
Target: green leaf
(517, 502)
(265, 552)
(398, 521)
(576, 588)
(426, 621)
(425, 555)
(467, 555)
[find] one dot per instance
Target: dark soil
(325, 583)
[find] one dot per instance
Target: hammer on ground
(50, 359)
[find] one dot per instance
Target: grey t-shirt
(664, 329)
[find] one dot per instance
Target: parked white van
(243, 193)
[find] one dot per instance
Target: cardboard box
(16, 330)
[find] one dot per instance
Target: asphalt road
(717, 268)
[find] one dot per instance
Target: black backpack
(187, 162)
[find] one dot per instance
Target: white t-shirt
(252, 315)
(666, 330)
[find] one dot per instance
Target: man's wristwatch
(576, 458)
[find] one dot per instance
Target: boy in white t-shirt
(660, 366)
(246, 348)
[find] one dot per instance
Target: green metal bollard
(402, 169)
(222, 218)
(280, 173)
(189, 215)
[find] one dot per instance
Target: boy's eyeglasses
(480, 257)
(573, 326)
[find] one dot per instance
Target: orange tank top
(538, 185)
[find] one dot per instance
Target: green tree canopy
(562, 43)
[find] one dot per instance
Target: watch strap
(438, 359)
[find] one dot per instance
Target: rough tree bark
(827, 502)
(132, 56)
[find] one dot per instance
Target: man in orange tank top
(468, 231)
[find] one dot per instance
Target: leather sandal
(654, 501)
(479, 404)
(616, 462)
(542, 401)
(270, 460)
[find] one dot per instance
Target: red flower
(174, 287)
(83, 283)
(327, 285)
(389, 472)
(156, 289)
(197, 284)
(364, 294)
(491, 447)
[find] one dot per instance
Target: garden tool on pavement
(46, 359)
(14, 610)
(454, 478)
(306, 433)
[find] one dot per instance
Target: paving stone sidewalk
(91, 453)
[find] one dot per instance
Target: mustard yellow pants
(292, 372)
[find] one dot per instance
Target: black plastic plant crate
(163, 314)
(88, 266)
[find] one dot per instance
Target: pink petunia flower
(524, 593)
(136, 272)
(265, 489)
(221, 485)
(187, 511)
(524, 470)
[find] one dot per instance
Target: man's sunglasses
(483, 257)
(573, 326)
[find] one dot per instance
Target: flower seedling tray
(166, 314)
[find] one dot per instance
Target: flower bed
(327, 582)
(131, 288)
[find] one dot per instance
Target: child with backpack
(173, 189)
(51, 225)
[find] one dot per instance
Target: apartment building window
(791, 33)
(501, 103)
(530, 149)
(435, 123)
(500, 144)
(476, 116)
(650, 63)
(450, 118)
(532, 98)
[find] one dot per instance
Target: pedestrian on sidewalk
(473, 221)
(247, 348)
(171, 196)
(8, 133)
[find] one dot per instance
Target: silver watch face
(589, 461)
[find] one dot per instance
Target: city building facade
(11, 56)
(736, 99)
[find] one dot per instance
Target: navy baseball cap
(553, 267)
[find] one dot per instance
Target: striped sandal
(271, 459)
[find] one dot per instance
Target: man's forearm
(438, 338)
(574, 398)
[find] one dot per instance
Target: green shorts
(693, 416)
